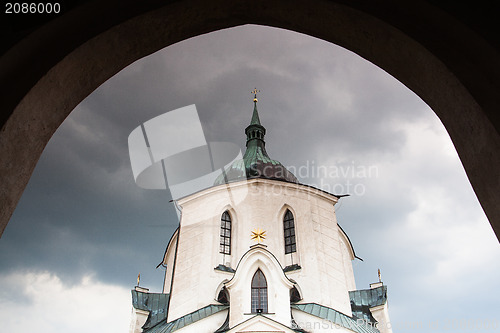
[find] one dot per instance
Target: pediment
(261, 324)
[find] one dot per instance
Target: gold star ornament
(258, 235)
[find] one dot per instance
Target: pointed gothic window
(225, 233)
(259, 293)
(289, 227)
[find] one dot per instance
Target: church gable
(259, 285)
(260, 323)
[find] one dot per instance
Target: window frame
(258, 297)
(225, 233)
(289, 235)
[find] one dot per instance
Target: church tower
(259, 252)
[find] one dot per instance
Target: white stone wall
(260, 204)
(322, 276)
(347, 258)
(138, 318)
(168, 261)
(381, 315)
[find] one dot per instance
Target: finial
(379, 276)
(258, 235)
(138, 279)
(254, 92)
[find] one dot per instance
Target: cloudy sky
(83, 229)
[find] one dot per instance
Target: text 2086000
(32, 8)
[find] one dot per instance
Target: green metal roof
(224, 268)
(363, 300)
(370, 297)
(337, 318)
(256, 163)
(156, 304)
(255, 115)
(188, 319)
(290, 268)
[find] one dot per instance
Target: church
(259, 252)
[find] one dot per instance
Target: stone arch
(221, 288)
(451, 63)
(279, 285)
(283, 209)
(232, 213)
(295, 294)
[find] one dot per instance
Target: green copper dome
(255, 163)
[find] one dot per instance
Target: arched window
(259, 293)
(225, 233)
(289, 226)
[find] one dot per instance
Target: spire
(255, 115)
(255, 131)
(256, 163)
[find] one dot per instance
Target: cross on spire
(254, 92)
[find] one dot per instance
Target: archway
(438, 57)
